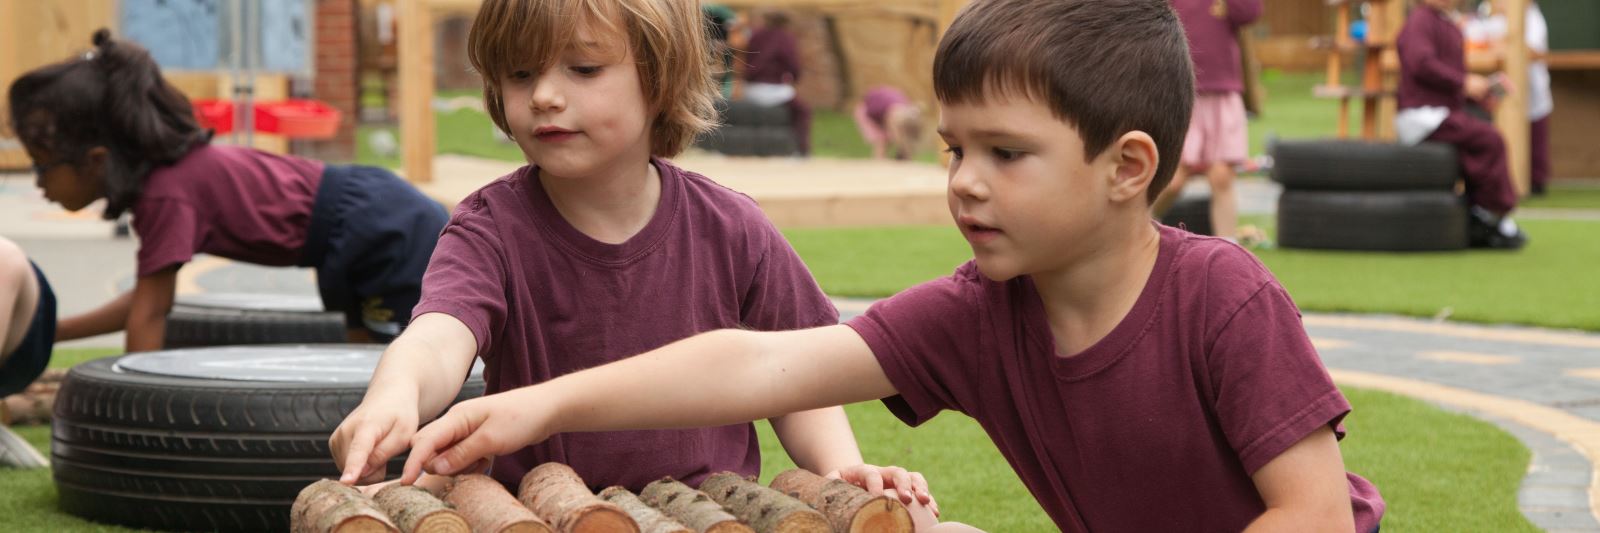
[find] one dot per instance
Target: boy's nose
(546, 96)
(965, 182)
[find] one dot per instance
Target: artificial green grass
(1438, 471)
(1566, 196)
(1549, 283)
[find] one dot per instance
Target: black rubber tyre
(1192, 213)
(1345, 165)
(169, 452)
(745, 113)
(233, 319)
(1379, 221)
(773, 142)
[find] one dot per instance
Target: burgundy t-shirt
(770, 55)
(1213, 40)
(544, 300)
(228, 201)
(1432, 66)
(1156, 427)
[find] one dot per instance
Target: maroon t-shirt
(1156, 427)
(1432, 66)
(228, 201)
(544, 300)
(880, 100)
(1213, 40)
(772, 56)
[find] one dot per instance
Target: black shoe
(1537, 189)
(1485, 230)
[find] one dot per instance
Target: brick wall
(336, 80)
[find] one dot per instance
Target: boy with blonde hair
(1136, 377)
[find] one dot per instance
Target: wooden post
(1512, 116)
(416, 89)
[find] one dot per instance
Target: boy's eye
(954, 151)
(521, 75)
(586, 70)
(1006, 155)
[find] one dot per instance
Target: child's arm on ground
(717, 378)
(1305, 487)
(418, 375)
(110, 317)
(147, 313)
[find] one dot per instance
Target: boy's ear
(1134, 158)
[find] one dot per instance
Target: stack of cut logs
(552, 498)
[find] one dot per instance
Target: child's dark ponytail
(114, 97)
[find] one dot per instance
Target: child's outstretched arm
(417, 377)
(716, 378)
(141, 312)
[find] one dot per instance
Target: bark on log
(849, 509)
(489, 508)
(417, 510)
(764, 509)
(559, 496)
(330, 506)
(650, 519)
(691, 507)
(32, 406)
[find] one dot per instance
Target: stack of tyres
(1354, 195)
(750, 130)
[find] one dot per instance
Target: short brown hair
(1107, 67)
(666, 37)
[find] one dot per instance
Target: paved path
(1541, 386)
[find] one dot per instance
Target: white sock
(1508, 227)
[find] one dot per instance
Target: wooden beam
(415, 19)
(1512, 116)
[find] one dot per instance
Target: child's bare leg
(1171, 193)
(1224, 202)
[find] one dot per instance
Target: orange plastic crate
(302, 119)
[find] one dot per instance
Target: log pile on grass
(553, 498)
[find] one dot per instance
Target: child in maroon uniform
(595, 251)
(1217, 138)
(1433, 92)
(1137, 377)
(106, 125)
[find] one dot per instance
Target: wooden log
(489, 508)
(650, 519)
(848, 508)
(559, 496)
(330, 506)
(417, 510)
(691, 507)
(764, 509)
(27, 408)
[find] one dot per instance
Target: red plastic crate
(301, 119)
(214, 114)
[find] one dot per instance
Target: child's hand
(892, 481)
(374, 432)
(472, 433)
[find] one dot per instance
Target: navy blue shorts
(370, 239)
(31, 357)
